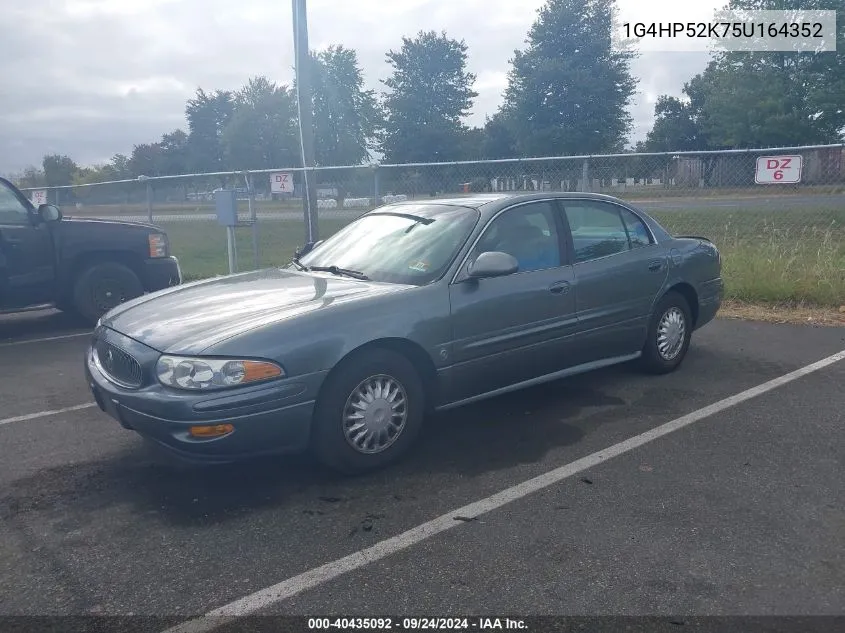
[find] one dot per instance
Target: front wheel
(104, 286)
(669, 334)
(369, 414)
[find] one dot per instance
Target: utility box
(226, 204)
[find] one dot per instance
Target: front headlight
(200, 374)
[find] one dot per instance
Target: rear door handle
(655, 265)
(559, 288)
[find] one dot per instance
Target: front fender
(317, 342)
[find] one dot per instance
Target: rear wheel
(104, 286)
(669, 335)
(370, 412)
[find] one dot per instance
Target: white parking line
(308, 580)
(42, 340)
(44, 414)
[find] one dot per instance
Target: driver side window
(12, 210)
(528, 233)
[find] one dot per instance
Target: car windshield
(402, 244)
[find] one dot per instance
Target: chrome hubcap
(375, 414)
(671, 333)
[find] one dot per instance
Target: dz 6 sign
(778, 170)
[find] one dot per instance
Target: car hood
(192, 317)
(88, 223)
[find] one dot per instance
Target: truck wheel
(103, 286)
(369, 414)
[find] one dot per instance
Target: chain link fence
(775, 211)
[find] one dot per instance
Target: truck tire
(102, 286)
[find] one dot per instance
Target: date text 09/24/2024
(415, 624)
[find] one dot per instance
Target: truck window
(12, 210)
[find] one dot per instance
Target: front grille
(117, 365)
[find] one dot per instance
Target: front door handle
(655, 265)
(559, 288)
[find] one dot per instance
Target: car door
(27, 273)
(509, 329)
(619, 269)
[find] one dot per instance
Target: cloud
(90, 78)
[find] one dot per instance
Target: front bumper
(161, 273)
(267, 419)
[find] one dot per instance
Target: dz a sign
(281, 182)
(778, 170)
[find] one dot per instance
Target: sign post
(306, 129)
(778, 170)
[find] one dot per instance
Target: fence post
(253, 216)
(376, 185)
(585, 175)
(230, 249)
(150, 202)
(58, 198)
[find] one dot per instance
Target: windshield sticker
(420, 267)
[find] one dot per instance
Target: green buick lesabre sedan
(415, 306)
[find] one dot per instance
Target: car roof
(490, 204)
(477, 201)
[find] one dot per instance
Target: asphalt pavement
(740, 512)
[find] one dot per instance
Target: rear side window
(597, 230)
(638, 232)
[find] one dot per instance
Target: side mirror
(49, 213)
(493, 264)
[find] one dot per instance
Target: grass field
(773, 257)
(685, 196)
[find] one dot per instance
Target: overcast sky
(90, 78)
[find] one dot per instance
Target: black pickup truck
(85, 266)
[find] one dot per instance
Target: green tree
(568, 91)
(429, 93)
(146, 160)
(174, 153)
(472, 141)
(208, 115)
(58, 170)
(32, 177)
(120, 166)
(262, 132)
(676, 126)
(346, 116)
(760, 99)
(499, 139)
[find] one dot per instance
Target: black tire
(101, 287)
(328, 439)
(653, 360)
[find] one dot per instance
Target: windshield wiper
(355, 274)
(295, 261)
